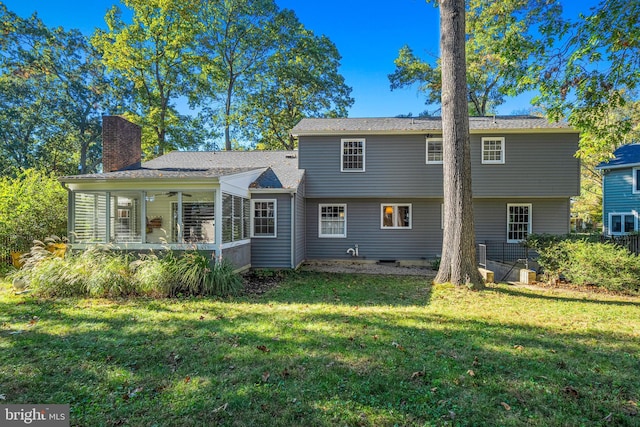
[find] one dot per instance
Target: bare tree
(458, 263)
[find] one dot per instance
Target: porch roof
(211, 164)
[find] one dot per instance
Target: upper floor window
(352, 157)
(332, 220)
(396, 216)
(492, 150)
(518, 222)
(622, 223)
(263, 218)
(636, 180)
(434, 150)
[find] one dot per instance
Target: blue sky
(368, 34)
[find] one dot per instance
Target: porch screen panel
(125, 217)
(198, 217)
(236, 218)
(161, 225)
(89, 218)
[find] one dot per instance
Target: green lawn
(329, 349)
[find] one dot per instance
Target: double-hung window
(263, 218)
(332, 220)
(352, 158)
(636, 180)
(622, 223)
(434, 151)
(395, 216)
(492, 150)
(518, 222)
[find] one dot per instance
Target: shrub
(586, 262)
(602, 264)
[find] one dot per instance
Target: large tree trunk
(458, 263)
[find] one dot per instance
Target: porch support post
(180, 225)
(107, 225)
(143, 218)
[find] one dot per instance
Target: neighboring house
(371, 184)
(621, 191)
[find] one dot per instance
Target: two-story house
(369, 189)
(621, 191)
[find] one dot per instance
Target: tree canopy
(503, 38)
(52, 92)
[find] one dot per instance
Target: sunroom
(159, 213)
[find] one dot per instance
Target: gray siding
(536, 165)
(240, 256)
(268, 252)
(618, 194)
(424, 239)
(550, 216)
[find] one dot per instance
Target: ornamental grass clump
(201, 275)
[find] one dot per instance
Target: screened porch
(148, 219)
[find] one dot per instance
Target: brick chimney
(121, 143)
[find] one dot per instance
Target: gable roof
(624, 157)
(212, 164)
(312, 127)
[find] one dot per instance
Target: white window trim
(635, 189)
(530, 220)
(275, 218)
(395, 210)
(432, 162)
(502, 151)
(331, 236)
(364, 154)
(623, 233)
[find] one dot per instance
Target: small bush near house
(584, 262)
(602, 264)
(101, 272)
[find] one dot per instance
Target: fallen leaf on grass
(471, 373)
(187, 379)
(375, 337)
(475, 361)
(518, 347)
(398, 346)
(506, 406)
(630, 408)
(201, 317)
(285, 373)
(221, 408)
(263, 348)
(417, 374)
(570, 391)
(265, 376)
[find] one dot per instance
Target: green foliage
(33, 205)
(503, 38)
(102, 272)
(153, 55)
(330, 350)
(602, 264)
(201, 275)
(587, 261)
(52, 93)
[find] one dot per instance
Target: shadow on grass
(513, 291)
(307, 287)
(295, 357)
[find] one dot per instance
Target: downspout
(293, 229)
